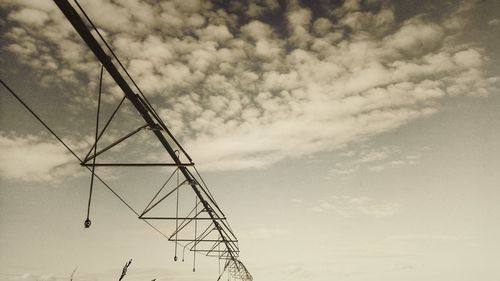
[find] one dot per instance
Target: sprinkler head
(175, 258)
(87, 223)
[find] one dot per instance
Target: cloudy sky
(349, 140)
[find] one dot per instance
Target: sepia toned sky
(345, 140)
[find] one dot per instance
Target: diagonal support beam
(105, 127)
(114, 143)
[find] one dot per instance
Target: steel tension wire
(40, 120)
(87, 221)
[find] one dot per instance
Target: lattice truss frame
(204, 229)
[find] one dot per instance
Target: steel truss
(213, 235)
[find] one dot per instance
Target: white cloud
(494, 22)
(257, 30)
(258, 8)
(343, 170)
(373, 160)
(416, 37)
(322, 26)
(299, 20)
(352, 5)
(30, 159)
(469, 58)
(248, 96)
(371, 156)
(376, 23)
(29, 16)
(218, 33)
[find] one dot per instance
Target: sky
(344, 140)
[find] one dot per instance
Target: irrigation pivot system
(204, 228)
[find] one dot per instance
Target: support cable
(40, 120)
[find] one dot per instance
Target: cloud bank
(249, 84)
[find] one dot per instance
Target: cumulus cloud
(242, 91)
(416, 37)
(29, 16)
